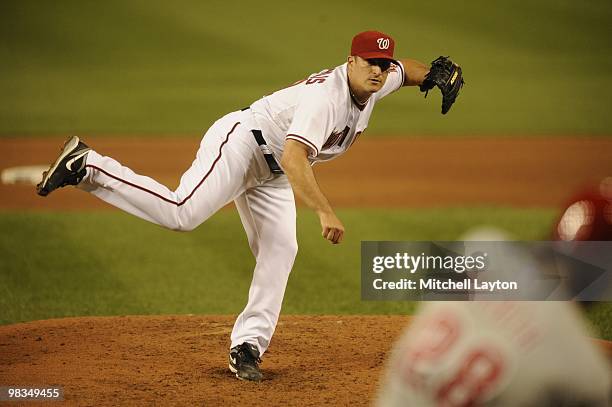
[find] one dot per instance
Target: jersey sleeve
(312, 120)
(395, 80)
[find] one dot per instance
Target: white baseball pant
(229, 166)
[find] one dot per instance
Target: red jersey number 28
(479, 369)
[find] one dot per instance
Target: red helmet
(588, 215)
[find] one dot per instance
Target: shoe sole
(234, 370)
(70, 145)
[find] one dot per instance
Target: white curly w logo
(383, 43)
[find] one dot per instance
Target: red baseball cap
(373, 44)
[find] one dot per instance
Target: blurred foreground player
(501, 353)
(496, 354)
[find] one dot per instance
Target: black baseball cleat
(243, 361)
(68, 169)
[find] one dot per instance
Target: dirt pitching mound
(182, 360)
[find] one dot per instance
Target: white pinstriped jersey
(319, 112)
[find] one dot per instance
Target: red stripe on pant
(158, 195)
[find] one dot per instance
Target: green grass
(600, 316)
(109, 263)
(156, 67)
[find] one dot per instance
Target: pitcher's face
(367, 75)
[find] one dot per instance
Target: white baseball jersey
(319, 112)
(496, 354)
(230, 166)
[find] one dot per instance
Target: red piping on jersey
(158, 195)
(303, 141)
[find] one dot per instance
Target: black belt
(274, 167)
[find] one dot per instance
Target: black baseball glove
(446, 75)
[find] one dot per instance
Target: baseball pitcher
(259, 157)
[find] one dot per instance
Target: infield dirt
(182, 360)
(376, 172)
